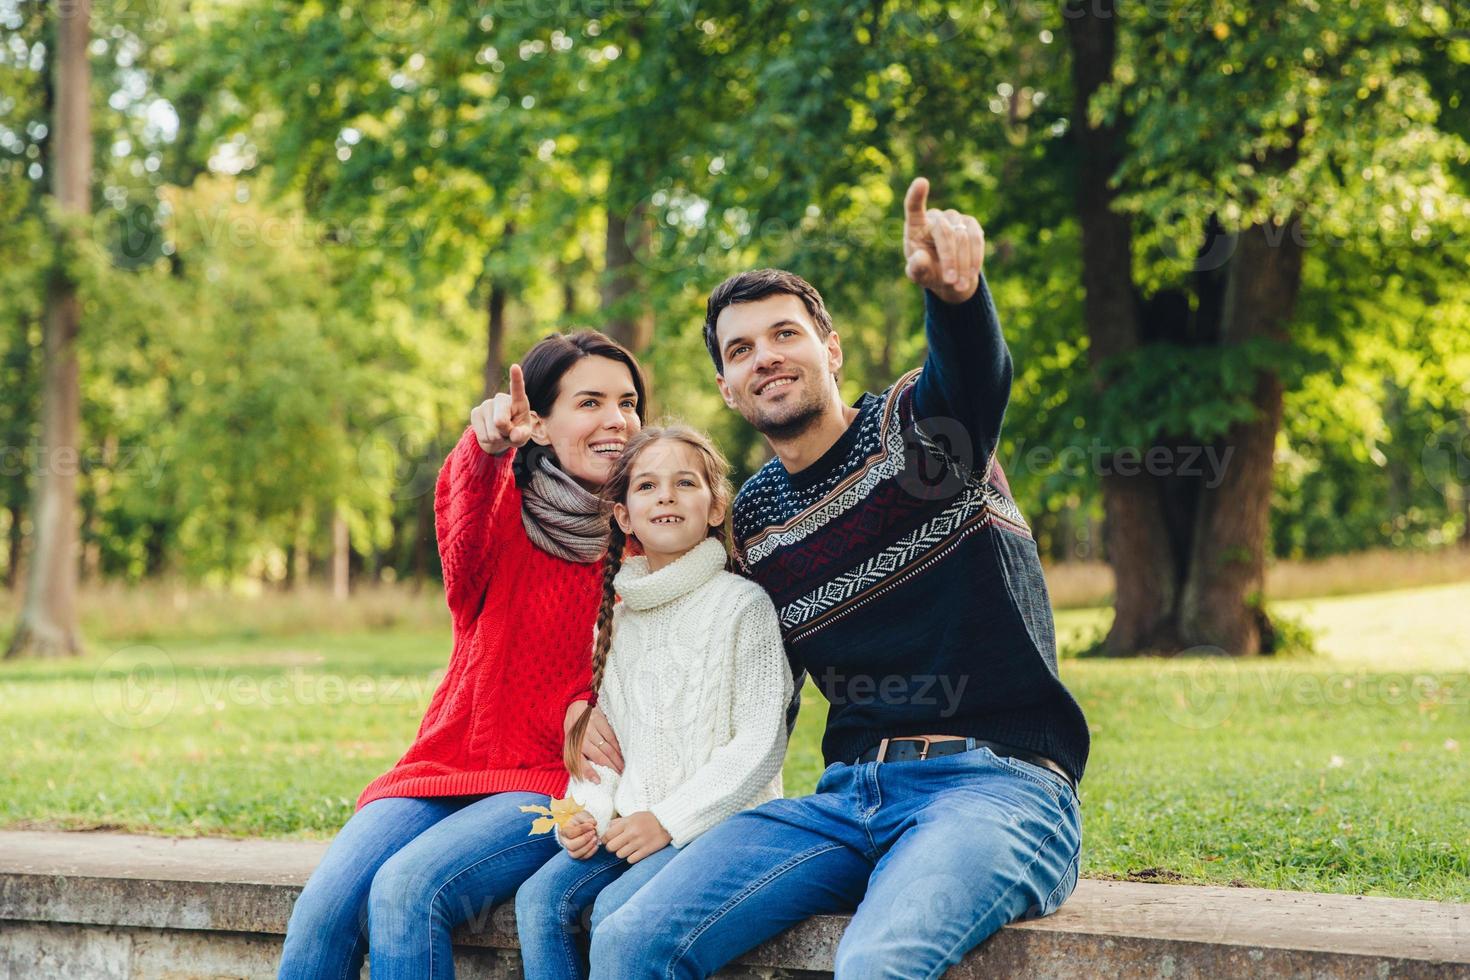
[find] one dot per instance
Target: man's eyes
(736, 352)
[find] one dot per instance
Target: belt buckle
(923, 753)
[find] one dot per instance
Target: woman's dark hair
(548, 362)
(615, 491)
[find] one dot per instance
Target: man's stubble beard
(802, 418)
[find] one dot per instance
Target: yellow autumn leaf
(561, 811)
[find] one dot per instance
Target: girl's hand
(635, 837)
(505, 420)
(579, 834)
(600, 745)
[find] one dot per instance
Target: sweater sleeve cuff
(971, 311)
(683, 826)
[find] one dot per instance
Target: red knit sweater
(522, 644)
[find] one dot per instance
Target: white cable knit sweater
(696, 688)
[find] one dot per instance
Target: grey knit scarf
(560, 515)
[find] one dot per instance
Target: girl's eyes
(647, 486)
(630, 404)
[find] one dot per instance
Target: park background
(260, 259)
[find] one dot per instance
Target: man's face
(778, 372)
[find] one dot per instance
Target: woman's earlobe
(538, 431)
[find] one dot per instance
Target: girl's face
(670, 506)
(592, 419)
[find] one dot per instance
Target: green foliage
(301, 210)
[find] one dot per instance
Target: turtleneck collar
(642, 589)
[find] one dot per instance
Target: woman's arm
(467, 500)
(736, 771)
(471, 487)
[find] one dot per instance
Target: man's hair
(757, 284)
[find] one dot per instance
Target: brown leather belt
(912, 747)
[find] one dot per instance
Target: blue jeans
(552, 907)
(933, 855)
(401, 874)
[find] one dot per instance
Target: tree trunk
(341, 555)
(1465, 515)
(423, 540)
(48, 619)
(1221, 602)
(628, 321)
(495, 319)
(495, 348)
(1135, 537)
(13, 550)
(299, 571)
(1188, 559)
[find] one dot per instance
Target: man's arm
(967, 374)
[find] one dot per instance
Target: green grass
(1342, 772)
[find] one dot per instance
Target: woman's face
(592, 419)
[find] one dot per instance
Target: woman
(440, 838)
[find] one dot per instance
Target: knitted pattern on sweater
(696, 686)
(522, 622)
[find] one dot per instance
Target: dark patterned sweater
(907, 581)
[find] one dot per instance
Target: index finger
(517, 389)
(916, 203)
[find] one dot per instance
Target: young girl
(691, 674)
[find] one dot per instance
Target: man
(910, 588)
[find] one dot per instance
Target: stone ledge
(153, 893)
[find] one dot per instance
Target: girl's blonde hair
(615, 491)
